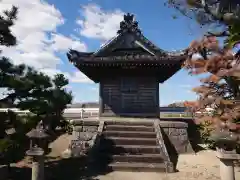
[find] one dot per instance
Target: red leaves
(216, 90)
(211, 78)
(190, 103)
(210, 42)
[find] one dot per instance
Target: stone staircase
(132, 146)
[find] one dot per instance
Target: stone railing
(176, 133)
(170, 167)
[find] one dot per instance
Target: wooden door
(128, 103)
(129, 93)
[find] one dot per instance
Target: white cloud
(35, 30)
(51, 72)
(79, 77)
(63, 43)
(97, 23)
(76, 77)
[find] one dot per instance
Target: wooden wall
(129, 96)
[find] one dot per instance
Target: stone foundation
(84, 136)
(176, 136)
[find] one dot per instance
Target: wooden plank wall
(142, 102)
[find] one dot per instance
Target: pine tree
(6, 21)
(6, 77)
(27, 89)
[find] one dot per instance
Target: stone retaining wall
(176, 136)
(84, 136)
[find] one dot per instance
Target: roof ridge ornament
(128, 24)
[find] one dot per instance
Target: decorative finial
(128, 17)
(128, 24)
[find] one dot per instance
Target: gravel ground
(200, 166)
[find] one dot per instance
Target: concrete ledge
(232, 156)
(133, 115)
(127, 119)
(133, 123)
(173, 124)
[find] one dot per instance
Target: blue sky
(85, 25)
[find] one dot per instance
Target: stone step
(131, 158)
(146, 167)
(129, 123)
(130, 141)
(130, 134)
(131, 149)
(128, 128)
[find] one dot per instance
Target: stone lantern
(37, 138)
(226, 142)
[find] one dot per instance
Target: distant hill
(176, 104)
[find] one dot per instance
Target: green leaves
(31, 90)
(60, 81)
(234, 35)
(27, 89)
(6, 37)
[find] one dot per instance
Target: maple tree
(220, 89)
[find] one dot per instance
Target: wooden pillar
(157, 100)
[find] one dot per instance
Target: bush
(66, 126)
(205, 130)
(8, 149)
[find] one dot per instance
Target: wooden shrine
(128, 69)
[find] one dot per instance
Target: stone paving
(200, 166)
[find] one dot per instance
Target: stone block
(177, 135)
(84, 136)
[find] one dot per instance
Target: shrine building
(129, 69)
